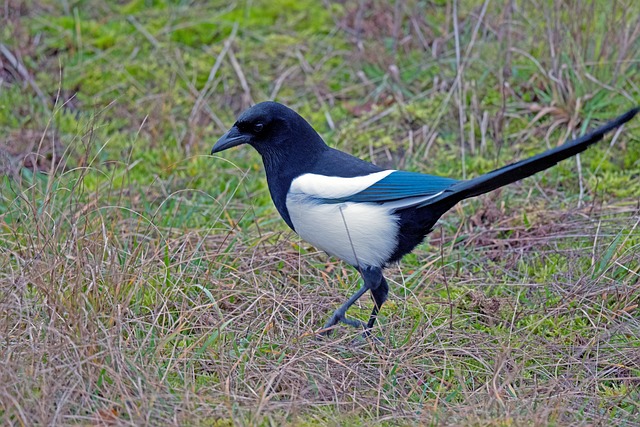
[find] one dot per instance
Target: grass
(144, 282)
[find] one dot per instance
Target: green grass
(144, 282)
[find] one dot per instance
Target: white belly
(359, 233)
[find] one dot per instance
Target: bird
(366, 215)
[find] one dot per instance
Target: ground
(145, 282)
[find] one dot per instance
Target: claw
(373, 281)
(340, 317)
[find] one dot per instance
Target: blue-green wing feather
(399, 186)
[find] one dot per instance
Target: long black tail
(524, 168)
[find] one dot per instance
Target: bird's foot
(340, 317)
(363, 339)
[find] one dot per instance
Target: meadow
(146, 282)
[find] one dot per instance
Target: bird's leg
(374, 281)
(340, 314)
(379, 297)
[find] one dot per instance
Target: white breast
(359, 233)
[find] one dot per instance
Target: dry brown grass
(106, 319)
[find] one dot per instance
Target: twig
(212, 73)
(460, 89)
(248, 100)
(133, 21)
(460, 69)
(22, 71)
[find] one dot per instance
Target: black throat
(287, 160)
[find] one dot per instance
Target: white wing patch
(334, 187)
(362, 234)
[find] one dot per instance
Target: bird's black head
(274, 130)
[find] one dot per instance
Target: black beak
(230, 139)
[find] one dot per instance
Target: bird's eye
(257, 128)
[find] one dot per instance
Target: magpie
(366, 215)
